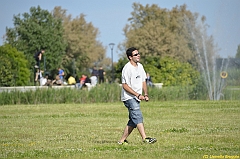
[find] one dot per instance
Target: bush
(13, 67)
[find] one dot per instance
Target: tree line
(167, 41)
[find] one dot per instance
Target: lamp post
(111, 46)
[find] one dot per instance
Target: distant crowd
(97, 77)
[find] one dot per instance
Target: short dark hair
(129, 51)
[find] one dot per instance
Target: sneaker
(150, 140)
(125, 142)
(36, 66)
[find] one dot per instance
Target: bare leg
(126, 133)
(37, 73)
(141, 130)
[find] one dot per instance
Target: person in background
(45, 81)
(38, 75)
(95, 71)
(149, 80)
(61, 74)
(57, 81)
(71, 80)
(133, 85)
(81, 82)
(38, 57)
(87, 80)
(93, 79)
(101, 74)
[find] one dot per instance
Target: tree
(158, 32)
(82, 45)
(34, 31)
(165, 33)
(13, 67)
(169, 35)
(238, 52)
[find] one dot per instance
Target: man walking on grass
(133, 84)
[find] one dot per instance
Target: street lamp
(111, 46)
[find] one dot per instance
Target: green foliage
(153, 67)
(108, 93)
(170, 43)
(231, 93)
(34, 31)
(6, 71)
(175, 93)
(174, 73)
(176, 33)
(13, 67)
(101, 93)
(82, 44)
(119, 66)
(166, 70)
(160, 32)
(199, 90)
(233, 78)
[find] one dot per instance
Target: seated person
(39, 76)
(82, 81)
(57, 81)
(71, 80)
(45, 81)
(87, 81)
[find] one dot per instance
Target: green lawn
(186, 129)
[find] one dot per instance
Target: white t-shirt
(43, 81)
(93, 80)
(134, 78)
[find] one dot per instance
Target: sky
(110, 17)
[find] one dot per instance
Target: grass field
(186, 129)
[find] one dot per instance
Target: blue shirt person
(60, 73)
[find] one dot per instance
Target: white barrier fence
(158, 85)
(33, 88)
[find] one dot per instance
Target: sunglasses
(136, 54)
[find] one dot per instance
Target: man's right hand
(141, 97)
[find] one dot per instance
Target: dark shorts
(135, 114)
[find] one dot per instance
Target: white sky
(110, 16)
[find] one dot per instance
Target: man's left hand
(146, 98)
